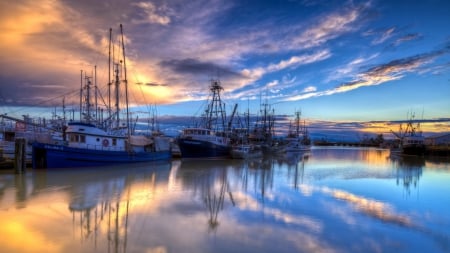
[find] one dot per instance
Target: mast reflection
(208, 180)
(99, 201)
(408, 171)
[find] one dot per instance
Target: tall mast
(215, 110)
(64, 110)
(109, 74)
(95, 87)
(116, 71)
(126, 81)
(88, 98)
(81, 93)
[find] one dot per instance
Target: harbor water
(331, 199)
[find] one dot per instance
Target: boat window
(9, 136)
(82, 139)
(114, 142)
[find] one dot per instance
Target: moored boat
(410, 140)
(93, 141)
(89, 145)
(246, 151)
(297, 138)
(210, 140)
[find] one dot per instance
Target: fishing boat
(263, 134)
(246, 151)
(410, 139)
(92, 141)
(210, 139)
(297, 138)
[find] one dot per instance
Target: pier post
(19, 155)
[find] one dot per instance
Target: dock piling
(19, 155)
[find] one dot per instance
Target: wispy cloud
(408, 37)
(351, 67)
(292, 62)
(148, 13)
(377, 75)
(329, 27)
(383, 35)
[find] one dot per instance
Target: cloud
(196, 67)
(296, 61)
(292, 62)
(148, 14)
(309, 89)
(329, 27)
(392, 70)
(384, 35)
(408, 37)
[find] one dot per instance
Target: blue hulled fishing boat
(88, 145)
(93, 141)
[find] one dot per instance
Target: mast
(215, 110)
(88, 98)
(126, 81)
(95, 87)
(116, 71)
(81, 94)
(64, 109)
(109, 74)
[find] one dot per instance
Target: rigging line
(43, 102)
(143, 96)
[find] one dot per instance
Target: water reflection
(327, 200)
(209, 180)
(408, 171)
(98, 201)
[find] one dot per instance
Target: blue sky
(336, 61)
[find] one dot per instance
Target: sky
(362, 64)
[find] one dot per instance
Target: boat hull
(238, 154)
(203, 149)
(414, 150)
(298, 148)
(58, 156)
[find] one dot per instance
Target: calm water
(330, 200)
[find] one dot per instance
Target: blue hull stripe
(55, 156)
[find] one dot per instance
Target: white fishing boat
(297, 138)
(410, 139)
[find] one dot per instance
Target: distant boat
(263, 133)
(297, 138)
(95, 142)
(410, 140)
(210, 140)
(246, 151)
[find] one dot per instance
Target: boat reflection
(208, 181)
(98, 200)
(408, 169)
(322, 201)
